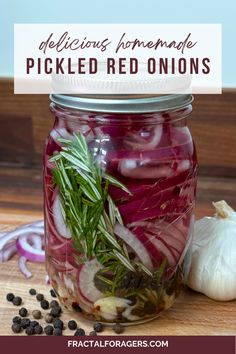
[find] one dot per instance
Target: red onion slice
(37, 241)
(136, 245)
(7, 252)
(19, 232)
(28, 251)
(163, 153)
(28, 240)
(155, 255)
(139, 141)
(59, 220)
(165, 250)
(61, 133)
(85, 281)
(132, 168)
(62, 266)
(23, 267)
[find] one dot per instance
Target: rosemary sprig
(84, 194)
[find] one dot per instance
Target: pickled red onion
(85, 280)
(59, 220)
(141, 142)
(137, 246)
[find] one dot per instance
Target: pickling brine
(119, 204)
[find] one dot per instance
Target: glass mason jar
(119, 182)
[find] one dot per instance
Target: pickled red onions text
(84, 66)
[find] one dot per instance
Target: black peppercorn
(25, 322)
(93, 333)
(98, 327)
(53, 294)
(48, 330)
(29, 330)
(118, 328)
(36, 314)
(72, 325)
(44, 304)
(17, 301)
(34, 323)
(79, 332)
(55, 311)
(16, 328)
(40, 297)
(16, 319)
(57, 323)
(23, 312)
(57, 332)
(32, 291)
(38, 329)
(10, 297)
(54, 303)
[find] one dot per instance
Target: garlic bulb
(213, 267)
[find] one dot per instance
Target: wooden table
(192, 314)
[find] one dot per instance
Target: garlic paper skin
(213, 267)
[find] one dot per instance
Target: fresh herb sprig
(88, 209)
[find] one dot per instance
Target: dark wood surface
(25, 121)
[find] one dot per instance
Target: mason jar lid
(123, 103)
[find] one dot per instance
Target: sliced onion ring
(23, 267)
(8, 251)
(137, 246)
(28, 251)
(18, 232)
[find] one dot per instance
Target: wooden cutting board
(192, 314)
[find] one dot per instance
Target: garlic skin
(213, 267)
